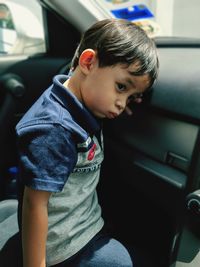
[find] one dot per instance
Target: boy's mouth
(112, 115)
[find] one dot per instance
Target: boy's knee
(112, 254)
(109, 253)
(120, 255)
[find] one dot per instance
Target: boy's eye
(121, 87)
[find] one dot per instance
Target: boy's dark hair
(120, 41)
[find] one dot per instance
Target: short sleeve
(47, 156)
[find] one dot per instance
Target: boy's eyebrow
(128, 80)
(131, 72)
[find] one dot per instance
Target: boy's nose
(121, 104)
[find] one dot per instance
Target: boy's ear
(87, 60)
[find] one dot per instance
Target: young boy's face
(106, 91)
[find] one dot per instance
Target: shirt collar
(78, 111)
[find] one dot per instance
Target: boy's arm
(34, 227)
(128, 110)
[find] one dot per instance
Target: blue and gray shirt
(60, 149)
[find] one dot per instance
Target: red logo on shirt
(91, 152)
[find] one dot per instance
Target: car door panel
(8, 61)
(177, 89)
(153, 156)
(188, 252)
(36, 73)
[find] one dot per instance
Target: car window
(21, 27)
(6, 21)
(174, 18)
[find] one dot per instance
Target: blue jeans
(101, 251)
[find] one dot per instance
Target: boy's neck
(74, 84)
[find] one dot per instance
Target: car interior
(150, 178)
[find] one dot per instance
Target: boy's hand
(137, 100)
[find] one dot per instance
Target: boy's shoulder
(57, 106)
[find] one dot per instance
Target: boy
(61, 150)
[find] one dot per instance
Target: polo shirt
(61, 151)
